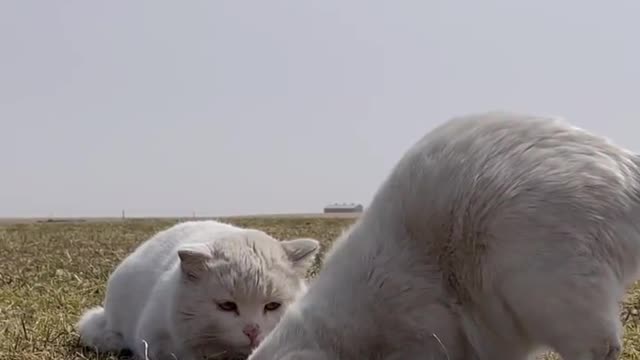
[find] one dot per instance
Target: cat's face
(234, 290)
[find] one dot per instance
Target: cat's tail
(95, 334)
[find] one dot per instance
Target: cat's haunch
(494, 236)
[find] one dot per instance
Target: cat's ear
(193, 260)
(301, 252)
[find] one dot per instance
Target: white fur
(167, 292)
(496, 235)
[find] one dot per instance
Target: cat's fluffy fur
(167, 292)
(497, 234)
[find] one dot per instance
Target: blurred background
(166, 108)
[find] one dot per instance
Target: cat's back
(489, 176)
(493, 184)
(520, 147)
(480, 164)
(160, 250)
(158, 256)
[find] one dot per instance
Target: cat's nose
(252, 331)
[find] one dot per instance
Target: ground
(51, 271)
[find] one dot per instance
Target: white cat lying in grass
(199, 288)
(495, 235)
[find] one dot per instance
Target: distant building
(343, 208)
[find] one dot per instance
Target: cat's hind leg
(151, 340)
(155, 347)
(94, 331)
(571, 307)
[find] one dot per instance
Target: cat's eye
(271, 306)
(228, 306)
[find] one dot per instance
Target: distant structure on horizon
(343, 208)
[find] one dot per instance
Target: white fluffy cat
(496, 235)
(199, 288)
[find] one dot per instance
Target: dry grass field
(50, 272)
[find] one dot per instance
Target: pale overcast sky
(241, 107)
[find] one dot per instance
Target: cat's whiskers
(186, 315)
(215, 356)
(202, 339)
(444, 348)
